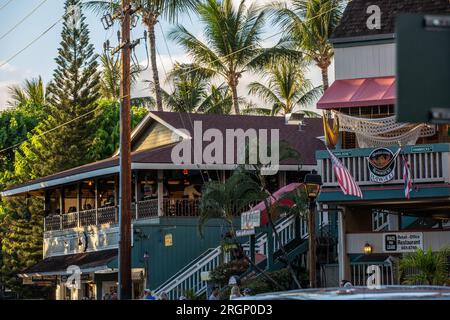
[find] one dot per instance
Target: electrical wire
(23, 19)
(35, 40)
(3, 6)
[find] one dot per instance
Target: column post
(343, 259)
(160, 193)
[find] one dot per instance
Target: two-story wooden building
(384, 223)
(81, 212)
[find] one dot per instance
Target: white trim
(137, 165)
(144, 121)
(63, 272)
(60, 181)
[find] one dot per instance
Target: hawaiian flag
(407, 179)
(346, 182)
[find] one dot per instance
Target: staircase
(188, 279)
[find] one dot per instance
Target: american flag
(407, 176)
(346, 182)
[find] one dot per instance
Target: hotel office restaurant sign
(382, 164)
(402, 241)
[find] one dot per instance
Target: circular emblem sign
(381, 165)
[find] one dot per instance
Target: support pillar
(160, 193)
(343, 258)
(252, 250)
(96, 201)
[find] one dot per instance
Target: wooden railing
(429, 163)
(171, 207)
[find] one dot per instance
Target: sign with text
(250, 220)
(382, 162)
(402, 241)
(244, 233)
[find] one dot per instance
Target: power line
(25, 18)
(36, 39)
(5, 4)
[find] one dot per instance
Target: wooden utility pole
(125, 159)
(312, 243)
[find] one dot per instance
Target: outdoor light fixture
(313, 181)
(367, 248)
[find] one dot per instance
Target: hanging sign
(245, 232)
(382, 164)
(402, 241)
(250, 220)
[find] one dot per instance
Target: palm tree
(308, 26)
(232, 40)
(218, 100)
(286, 90)
(150, 11)
(223, 200)
(110, 77)
(189, 82)
(428, 267)
(32, 91)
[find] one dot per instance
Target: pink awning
(276, 196)
(363, 92)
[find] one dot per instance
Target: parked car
(360, 293)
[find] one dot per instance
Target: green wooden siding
(187, 245)
(154, 136)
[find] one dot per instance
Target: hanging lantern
(367, 248)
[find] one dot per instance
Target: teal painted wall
(187, 245)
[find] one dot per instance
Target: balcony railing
(429, 163)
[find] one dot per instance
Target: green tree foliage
(21, 244)
(72, 96)
(150, 11)
(425, 267)
(308, 26)
(107, 135)
(286, 89)
(233, 36)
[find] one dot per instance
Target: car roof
(360, 293)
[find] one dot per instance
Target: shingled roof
(353, 23)
(305, 142)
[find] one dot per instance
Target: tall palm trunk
(324, 71)
(150, 21)
(232, 83)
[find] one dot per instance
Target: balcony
(110, 215)
(171, 207)
(429, 163)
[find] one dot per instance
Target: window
(380, 220)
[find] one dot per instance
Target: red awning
(363, 92)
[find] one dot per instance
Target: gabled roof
(305, 142)
(353, 23)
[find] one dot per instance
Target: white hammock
(383, 131)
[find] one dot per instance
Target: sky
(38, 59)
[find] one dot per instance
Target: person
(148, 295)
(247, 292)
(191, 192)
(235, 292)
(214, 294)
(163, 296)
(345, 284)
(106, 296)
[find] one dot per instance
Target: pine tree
(21, 243)
(72, 93)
